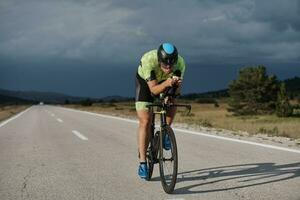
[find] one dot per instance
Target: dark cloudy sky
(92, 48)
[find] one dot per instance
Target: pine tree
(283, 107)
(254, 92)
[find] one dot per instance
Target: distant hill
(213, 94)
(116, 98)
(51, 97)
(292, 87)
(7, 100)
(47, 97)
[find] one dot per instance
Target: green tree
(283, 106)
(253, 92)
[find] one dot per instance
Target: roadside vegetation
(6, 111)
(255, 103)
(10, 106)
(211, 116)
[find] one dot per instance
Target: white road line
(101, 115)
(14, 117)
(59, 120)
(238, 140)
(195, 133)
(79, 135)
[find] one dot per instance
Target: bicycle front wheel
(168, 162)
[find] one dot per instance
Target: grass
(208, 115)
(219, 117)
(122, 109)
(8, 111)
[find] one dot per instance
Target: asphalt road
(52, 153)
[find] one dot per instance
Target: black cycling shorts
(142, 90)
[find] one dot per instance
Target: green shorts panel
(142, 105)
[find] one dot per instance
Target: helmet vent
(169, 48)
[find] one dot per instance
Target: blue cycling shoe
(143, 170)
(166, 142)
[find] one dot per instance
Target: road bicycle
(167, 159)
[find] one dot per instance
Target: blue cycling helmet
(167, 54)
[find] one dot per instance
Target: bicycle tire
(169, 184)
(150, 162)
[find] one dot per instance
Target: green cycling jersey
(149, 68)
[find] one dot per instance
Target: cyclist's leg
(171, 115)
(143, 98)
(144, 117)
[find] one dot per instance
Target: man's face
(167, 69)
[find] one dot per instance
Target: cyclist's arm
(156, 88)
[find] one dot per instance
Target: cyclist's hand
(176, 81)
(176, 78)
(169, 82)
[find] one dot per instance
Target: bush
(113, 101)
(86, 102)
(206, 123)
(272, 132)
(206, 100)
(296, 110)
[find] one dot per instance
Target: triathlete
(159, 70)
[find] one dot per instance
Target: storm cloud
(110, 37)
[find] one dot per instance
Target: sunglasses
(166, 66)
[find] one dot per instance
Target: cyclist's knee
(145, 123)
(144, 119)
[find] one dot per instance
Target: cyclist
(159, 70)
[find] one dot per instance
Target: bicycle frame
(163, 123)
(157, 148)
(163, 118)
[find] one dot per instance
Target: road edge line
(14, 117)
(196, 133)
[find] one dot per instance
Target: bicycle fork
(163, 123)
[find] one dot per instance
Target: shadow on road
(234, 177)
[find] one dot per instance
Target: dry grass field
(218, 117)
(208, 115)
(8, 111)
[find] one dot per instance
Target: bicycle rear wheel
(168, 163)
